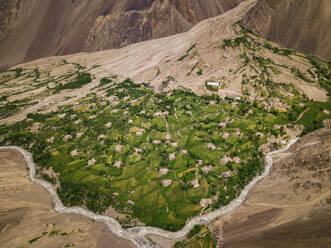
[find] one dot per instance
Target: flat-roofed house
(216, 84)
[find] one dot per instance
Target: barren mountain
(41, 28)
(299, 24)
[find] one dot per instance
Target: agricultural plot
(199, 236)
(161, 158)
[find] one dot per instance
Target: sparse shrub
(105, 81)
(18, 72)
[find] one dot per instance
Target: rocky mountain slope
(41, 28)
(299, 24)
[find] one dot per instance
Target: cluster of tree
(72, 194)
(82, 79)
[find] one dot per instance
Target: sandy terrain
(26, 213)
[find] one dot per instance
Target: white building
(213, 84)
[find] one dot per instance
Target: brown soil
(26, 212)
(292, 207)
(314, 232)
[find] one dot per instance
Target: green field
(157, 157)
(129, 155)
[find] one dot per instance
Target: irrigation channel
(138, 234)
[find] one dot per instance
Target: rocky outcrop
(299, 24)
(32, 29)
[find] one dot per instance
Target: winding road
(138, 234)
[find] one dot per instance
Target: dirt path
(310, 202)
(300, 116)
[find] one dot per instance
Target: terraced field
(160, 158)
